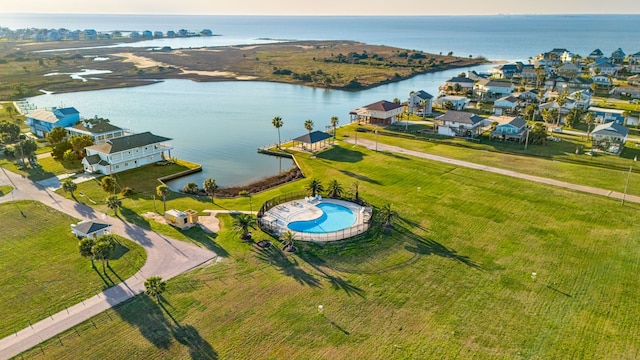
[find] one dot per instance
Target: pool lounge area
(317, 219)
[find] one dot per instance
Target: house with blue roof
(420, 100)
(604, 116)
(42, 121)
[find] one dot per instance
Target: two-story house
(604, 116)
(493, 89)
(42, 121)
(509, 128)
(460, 123)
(126, 152)
(634, 63)
(421, 101)
(609, 137)
(382, 112)
(100, 129)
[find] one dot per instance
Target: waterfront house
(493, 89)
(604, 116)
(617, 57)
(90, 34)
(458, 102)
(509, 128)
(100, 129)
(42, 121)
(90, 229)
(382, 112)
(504, 71)
(634, 63)
(465, 84)
(158, 34)
(609, 138)
(596, 54)
(420, 99)
(506, 105)
(126, 152)
(460, 123)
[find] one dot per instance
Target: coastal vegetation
(466, 246)
(43, 270)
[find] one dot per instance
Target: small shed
(92, 229)
(181, 219)
(309, 140)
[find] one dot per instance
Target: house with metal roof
(460, 123)
(609, 138)
(42, 121)
(488, 89)
(420, 100)
(596, 54)
(509, 128)
(382, 112)
(618, 56)
(126, 152)
(507, 104)
(604, 116)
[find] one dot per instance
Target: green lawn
(43, 273)
(453, 280)
(4, 190)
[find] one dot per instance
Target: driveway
(166, 257)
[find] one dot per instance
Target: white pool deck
(303, 210)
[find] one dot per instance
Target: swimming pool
(334, 218)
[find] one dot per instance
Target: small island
(27, 69)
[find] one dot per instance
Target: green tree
(334, 124)
(79, 142)
(103, 248)
(242, 223)
(287, 239)
(314, 187)
(277, 123)
(386, 216)
(108, 184)
(589, 119)
(457, 88)
(10, 110)
(56, 135)
(69, 186)
(538, 135)
(154, 287)
(10, 128)
(448, 105)
(28, 148)
(574, 117)
(190, 188)
(335, 189)
(209, 186)
(85, 246)
(113, 203)
(60, 149)
(530, 111)
(308, 124)
(162, 191)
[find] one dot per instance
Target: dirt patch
(139, 61)
(156, 217)
(209, 223)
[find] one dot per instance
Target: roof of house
(517, 122)
(611, 128)
(128, 142)
(382, 105)
(618, 54)
(460, 79)
(601, 65)
(67, 111)
(582, 80)
(95, 126)
(453, 98)
(313, 137)
(495, 83)
(43, 115)
(93, 159)
(461, 117)
(423, 95)
(569, 67)
(89, 227)
(603, 110)
(510, 98)
(596, 52)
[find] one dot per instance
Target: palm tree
(590, 118)
(386, 215)
(314, 187)
(423, 103)
(10, 110)
(85, 246)
(334, 124)
(113, 203)
(287, 238)
(356, 188)
(242, 223)
(209, 186)
(69, 186)
(335, 189)
(308, 124)
(530, 111)
(103, 248)
(108, 184)
(163, 190)
(155, 286)
(190, 188)
(277, 123)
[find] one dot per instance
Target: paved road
(587, 189)
(166, 257)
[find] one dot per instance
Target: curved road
(166, 257)
(583, 188)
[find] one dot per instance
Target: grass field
(453, 280)
(4, 190)
(43, 273)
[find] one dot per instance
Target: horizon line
(327, 15)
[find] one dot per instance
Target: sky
(323, 7)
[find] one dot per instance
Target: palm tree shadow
(430, 247)
(277, 258)
(336, 282)
(107, 284)
(202, 238)
(199, 348)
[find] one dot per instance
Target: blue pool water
(334, 218)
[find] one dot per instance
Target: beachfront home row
(125, 153)
(382, 112)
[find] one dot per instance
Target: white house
(596, 54)
(126, 152)
(460, 123)
(417, 99)
(605, 68)
(509, 128)
(458, 102)
(465, 83)
(609, 137)
(634, 63)
(101, 130)
(92, 229)
(493, 89)
(382, 112)
(601, 80)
